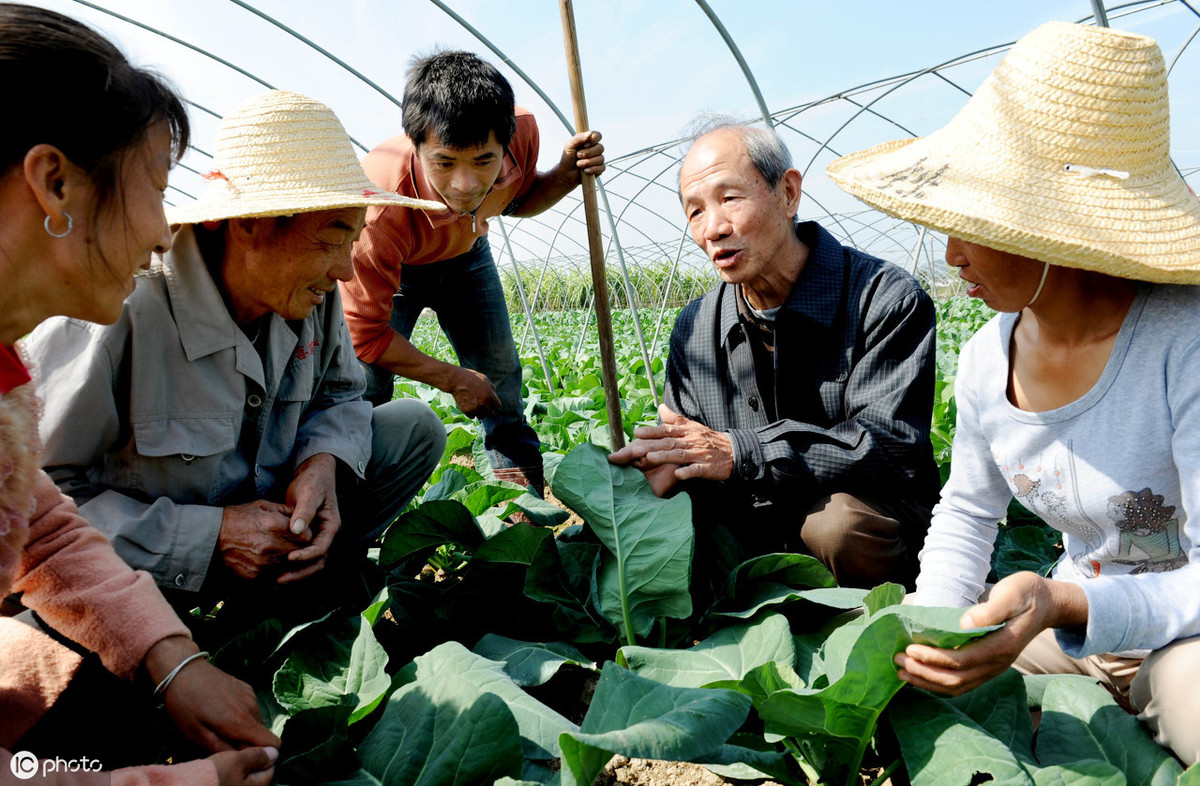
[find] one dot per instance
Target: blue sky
(649, 66)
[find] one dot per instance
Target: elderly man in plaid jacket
(799, 390)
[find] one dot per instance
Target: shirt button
(187, 457)
(843, 376)
(753, 402)
(255, 400)
(180, 580)
(362, 466)
(257, 470)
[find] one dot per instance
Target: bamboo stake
(608, 361)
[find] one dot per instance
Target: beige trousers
(1163, 689)
(863, 543)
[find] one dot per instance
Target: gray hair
(766, 150)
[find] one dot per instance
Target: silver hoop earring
(52, 233)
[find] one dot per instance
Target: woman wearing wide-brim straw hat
(221, 419)
(1082, 399)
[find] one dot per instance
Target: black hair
(68, 86)
(458, 98)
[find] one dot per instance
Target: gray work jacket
(143, 420)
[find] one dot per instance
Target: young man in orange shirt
(465, 144)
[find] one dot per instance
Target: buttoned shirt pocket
(298, 383)
(181, 457)
(832, 388)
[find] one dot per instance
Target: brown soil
(644, 772)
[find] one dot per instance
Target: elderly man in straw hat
(1081, 399)
(798, 393)
(218, 429)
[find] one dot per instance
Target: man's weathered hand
(256, 536)
(1026, 603)
(312, 496)
(662, 478)
(474, 394)
(584, 152)
(692, 449)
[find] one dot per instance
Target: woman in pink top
(84, 157)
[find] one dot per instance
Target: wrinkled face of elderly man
(742, 224)
(288, 265)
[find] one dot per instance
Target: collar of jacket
(201, 316)
(817, 293)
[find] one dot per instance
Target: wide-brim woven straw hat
(1062, 155)
(282, 153)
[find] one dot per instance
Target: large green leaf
(761, 681)
(539, 725)
(561, 574)
(859, 680)
(1001, 708)
(316, 746)
(799, 571)
(450, 482)
(245, 652)
(937, 626)
(286, 642)
(344, 660)
(530, 663)
(379, 604)
(883, 596)
(539, 511)
(777, 579)
(1080, 720)
(808, 665)
(1084, 772)
(728, 655)
(432, 524)
(1084, 737)
(862, 679)
(645, 572)
(944, 747)
(480, 497)
(516, 545)
(442, 732)
(753, 762)
(641, 718)
(360, 778)
(1033, 547)
(769, 593)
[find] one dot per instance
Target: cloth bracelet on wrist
(166, 683)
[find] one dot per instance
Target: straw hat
(1062, 155)
(282, 153)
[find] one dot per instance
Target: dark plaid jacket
(854, 380)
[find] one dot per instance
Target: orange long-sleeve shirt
(396, 235)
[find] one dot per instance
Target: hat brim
(220, 204)
(1144, 228)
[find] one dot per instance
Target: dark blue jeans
(466, 295)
